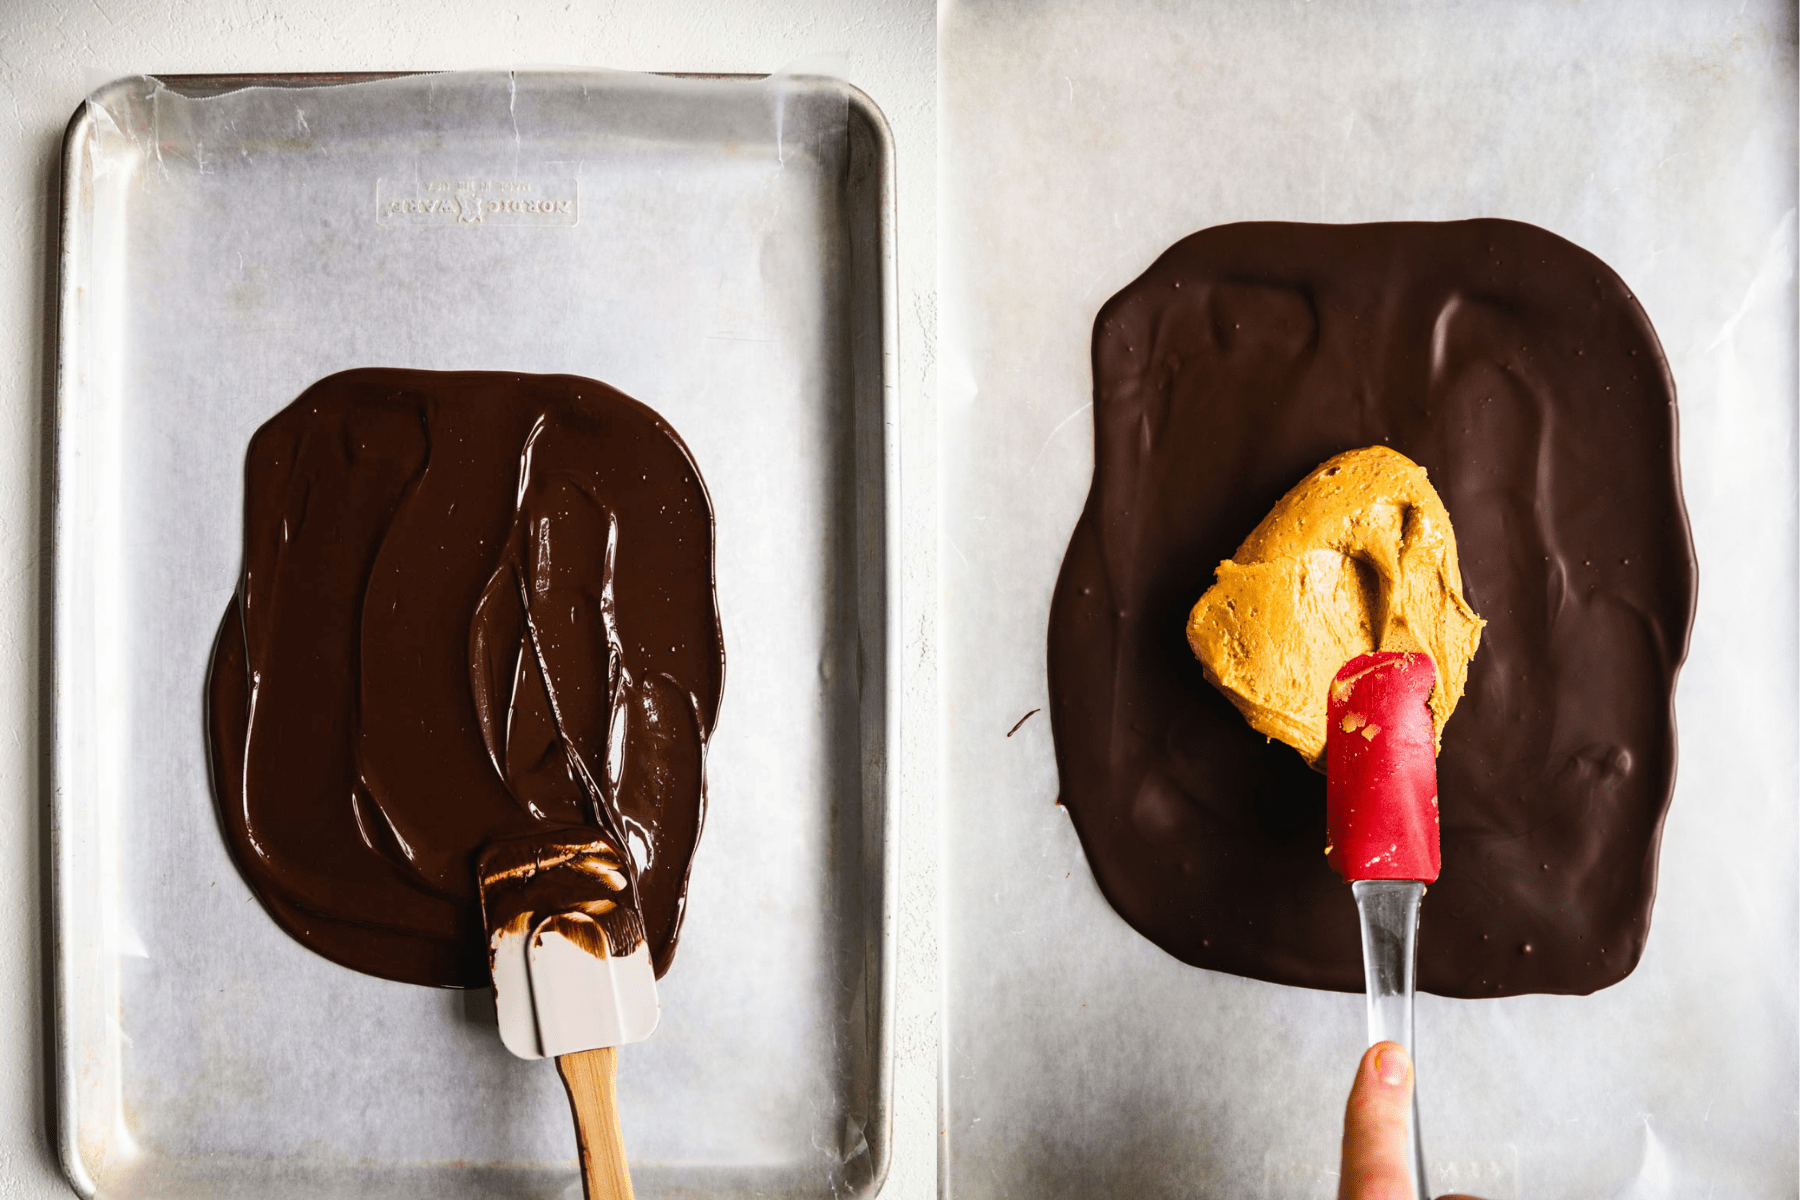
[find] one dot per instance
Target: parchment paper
(1080, 140)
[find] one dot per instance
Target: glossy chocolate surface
(1522, 374)
(475, 606)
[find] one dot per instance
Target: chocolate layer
(1522, 374)
(568, 880)
(475, 606)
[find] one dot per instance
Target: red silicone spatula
(1381, 819)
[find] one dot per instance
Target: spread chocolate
(476, 607)
(1520, 372)
(569, 881)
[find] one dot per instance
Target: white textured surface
(56, 50)
(1081, 139)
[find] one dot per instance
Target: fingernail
(1392, 1066)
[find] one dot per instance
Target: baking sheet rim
(72, 276)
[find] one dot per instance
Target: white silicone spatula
(557, 905)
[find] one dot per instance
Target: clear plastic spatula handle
(1389, 909)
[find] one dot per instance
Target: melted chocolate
(1521, 373)
(567, 881)
(475, 607)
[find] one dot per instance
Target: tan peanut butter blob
(1359, 556)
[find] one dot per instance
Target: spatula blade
(559, 904)
(554, 996)
(1381, 799)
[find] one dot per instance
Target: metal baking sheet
(722, 250)
(1079, 141)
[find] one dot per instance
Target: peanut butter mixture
(1359, 556)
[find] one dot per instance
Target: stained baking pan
(722, 250)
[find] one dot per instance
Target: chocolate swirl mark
(548, 624)
(578, 887)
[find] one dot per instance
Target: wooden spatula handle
(589, 1076)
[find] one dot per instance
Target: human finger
(1375, 1119)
